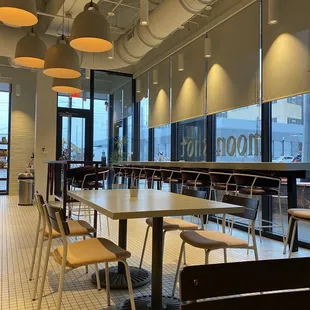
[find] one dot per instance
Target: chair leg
(178, 268)
(48, 249)
(129, 283)
(35, 248)
(97, 277)
(292, 240)
(184, 256)
(207, 256)
(34, 294)
(107, 281)
(108, 226)
(201, 222)
(249, 232)
(288, 233)
(254, 241)
(144, 246)
(281, 217)
(61, 283)
(225, 256)
(86, 266)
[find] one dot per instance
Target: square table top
(117, 204)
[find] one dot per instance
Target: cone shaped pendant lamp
(30, 51)
(91, 31)
(62, 61)
(67, 86)
(18, 13)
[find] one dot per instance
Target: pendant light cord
(63, 20)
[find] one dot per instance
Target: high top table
(118, 205)
(291, 171)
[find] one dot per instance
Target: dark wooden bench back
(229, 281)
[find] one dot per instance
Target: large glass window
(290, 143)
(238, 135)
(162, 143)
(191, 140)
(144, 129)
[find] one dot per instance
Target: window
(4, 135)
(290, 137)
(162, 143)
(191, 140)
(101, 128)
(238, 137)
(144, 129)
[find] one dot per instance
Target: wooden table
(291, 171)
(118, 205)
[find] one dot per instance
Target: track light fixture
(273, 12)
(144, 12)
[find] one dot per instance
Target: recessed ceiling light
(208, 8)
(111, 14)
(181, 27)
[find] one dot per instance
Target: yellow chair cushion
(171, 223)
(91, 251)
(301, 213)
(211, 240)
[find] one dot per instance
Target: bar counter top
(261, 166)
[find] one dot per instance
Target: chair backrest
(189, 175)
(167, 173)
(250, 206)
(222, 177)
(252, 178)
(200, 283)
(194, 193)
(51, 212)
(150, 172)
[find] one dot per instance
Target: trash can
(25, 189)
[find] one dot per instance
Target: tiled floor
(17, 232)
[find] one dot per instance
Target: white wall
(22, 121)
(45, 129)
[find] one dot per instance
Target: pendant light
(155, 77)
(208, 47)
(30, 51)
(67, 86)
(61, 60)
(273, 12)
(144, 12)
(111, 52)
(91, 31)
(181, 62)
(18, 13)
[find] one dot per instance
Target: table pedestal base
(144, 303)
(139, 277)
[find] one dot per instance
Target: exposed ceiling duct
(133, 45)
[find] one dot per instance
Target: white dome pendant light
(273, 12)
(208, 47)
(67, 86)
(30, 51)
(61, 60)
(18, 13)
(144, 12)
(91, 31)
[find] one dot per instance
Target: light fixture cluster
(90, 33)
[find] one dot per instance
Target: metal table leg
(156, 301)
(292, 203)
(139, 277)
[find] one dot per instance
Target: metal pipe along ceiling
(133, 45)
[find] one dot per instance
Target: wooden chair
(214, 240)
(296, 215)
(172, 223)
(77, 228)
(264, 282)
(82, 253)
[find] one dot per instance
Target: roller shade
(159, 101)
(232, 80)
(118, 105)
(127, 94)
(188, 86)
(143, 80)
(286, 61)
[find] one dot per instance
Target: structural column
(45, 129)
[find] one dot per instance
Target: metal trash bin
(25, 189)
